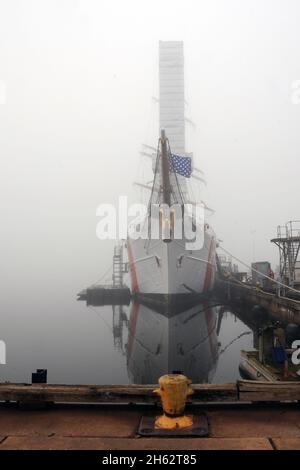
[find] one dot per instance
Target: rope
(103, 276)
(155, 175)
(100, 316)
(258, 272)
(234, 340)
(176, 178)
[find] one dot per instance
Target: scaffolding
(288, 242)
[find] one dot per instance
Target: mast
(165, 167)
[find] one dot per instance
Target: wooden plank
(150, 443)
(77, 393)
(268, 391)
(108, 393)
(214, 392)
(244, 390)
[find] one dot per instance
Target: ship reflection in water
(132, 344)
(160, 343)
(202, 341)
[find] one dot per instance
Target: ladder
(119, 267)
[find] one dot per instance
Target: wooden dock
(239, 392)
(100, 295)
(92, 417)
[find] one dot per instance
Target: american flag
(181, 165)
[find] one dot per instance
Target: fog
(78, 80)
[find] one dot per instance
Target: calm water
(121, 344)
(50, 252)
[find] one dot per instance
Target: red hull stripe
(208, 274)
(132, 327)
(211, 325)
(133, 276)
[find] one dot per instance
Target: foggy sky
(79, 79)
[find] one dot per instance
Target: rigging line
(233, 341)
(103, 276)
(258, 272)
(155, 174)
(209, 333)
(99, 315)
(178, 186)
(153, 186)
(204, 309)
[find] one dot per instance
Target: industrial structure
(288, 242)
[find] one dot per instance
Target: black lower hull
(171, 304)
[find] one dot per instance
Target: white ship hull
(165, 269)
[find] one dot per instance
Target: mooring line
(258, 272)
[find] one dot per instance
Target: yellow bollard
(174, 390)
